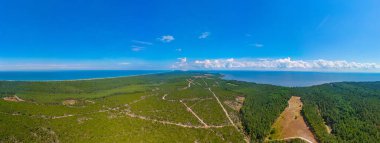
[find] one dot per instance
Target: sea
(298, 79)
(281, 78)
(70, 75)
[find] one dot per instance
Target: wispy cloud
(204, 35)
(257, 45)
(283, 64)
(179, 50)
(124, 63)
(181, 64)
(142, 42)
(324, 20)
(166, 38)
(136, 48)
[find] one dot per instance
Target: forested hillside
(336, 112)
(351, 110)
(262, 106)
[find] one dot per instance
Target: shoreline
(85, 79)
(223, 75)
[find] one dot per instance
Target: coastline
(86, 79)
(276, 78)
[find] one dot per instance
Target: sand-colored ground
(328, 128)
(13, 99)
(69, 102)
(291, 124)
(235, 105)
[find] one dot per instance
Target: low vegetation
(180, 107)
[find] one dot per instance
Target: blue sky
(332, 35)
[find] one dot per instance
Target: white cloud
(284, 64)
(142, 42)
(204, 35)
(136, 48)
(183, 60)
(124, 63)
(166, 38)
(179, 50)
(258, 45)
(180, 64)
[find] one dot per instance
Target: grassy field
(180, 107)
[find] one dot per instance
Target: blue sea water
(297, 79)
(70, 75)
(281, 78)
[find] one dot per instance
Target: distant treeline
(262, 106)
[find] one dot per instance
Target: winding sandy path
(128, 113)
(246, 138)
(224, 109)
(163, 97)
(170, 123)
(190, 82)
(64, 116)
(290, 138)
(192, 112)
(205, 82)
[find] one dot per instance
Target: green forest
(181, 107)
(351, 110)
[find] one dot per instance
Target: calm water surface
(266, 77)
(69, 75)
(297, 78)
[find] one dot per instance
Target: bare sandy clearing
(64, 116)
(328, 128)
(237, 104)
(69, 102)
(13, 99)
(203, 76)
(232, 84)
(291, 123)
(89, 101)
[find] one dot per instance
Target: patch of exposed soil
(291, 123)
(13, 99)
(240, 99)
(328, 128)
(232, 84)
(89, 101)
(83, 119)
(70, 102)
(237, 104)
(203, 76)
(199, 76)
